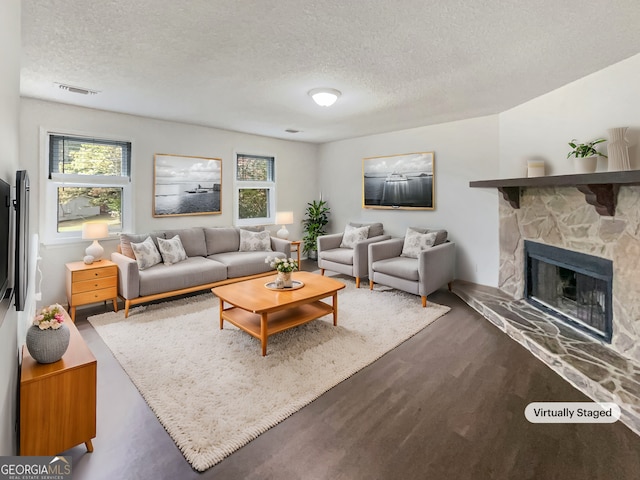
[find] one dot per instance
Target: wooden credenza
(58, 400)
(91, 283)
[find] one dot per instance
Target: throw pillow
(172, 250)
(146, 253)
(415, 242)
(353, 235)
(255, 241)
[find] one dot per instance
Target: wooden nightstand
(91, 283)
(298, 245)
(58, 400)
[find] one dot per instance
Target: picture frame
(185, 185)
(400, 182)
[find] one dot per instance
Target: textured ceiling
(247, 65)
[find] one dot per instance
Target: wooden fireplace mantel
(600, 189)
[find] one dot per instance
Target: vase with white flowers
(48, 338)
(284, 266)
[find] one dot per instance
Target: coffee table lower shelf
(274, 322)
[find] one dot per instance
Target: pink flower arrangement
(49, 317)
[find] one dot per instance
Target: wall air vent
(80, 90)
(291, 130)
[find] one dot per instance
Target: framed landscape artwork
(186, 185)
(404, 181)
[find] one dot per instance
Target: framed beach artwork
(186, 185)
(404, 181)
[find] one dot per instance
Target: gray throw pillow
(353, 235)
(375, 229)
(172, 250)
(255, 241)
(146, 253)
(415, 242)
(126, 239)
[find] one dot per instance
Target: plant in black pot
(316, 218)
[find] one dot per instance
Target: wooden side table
(58, 400)
(298, 245)
(91, 283)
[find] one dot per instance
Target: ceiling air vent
(80, 90)
(291, 130)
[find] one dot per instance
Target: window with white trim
(255, 190)
(89, 180)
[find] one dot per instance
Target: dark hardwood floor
(446, 404)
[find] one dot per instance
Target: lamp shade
(95, 231)
(325, 97)
(284, 218)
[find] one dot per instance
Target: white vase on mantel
(585, 164)
(618, 150)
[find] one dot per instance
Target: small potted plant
(317, 217)
(284, 266)
(48, 337)
(586, 155)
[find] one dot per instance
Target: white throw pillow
(353, 235)
(255, 241)
(172, 250)
(415, 242)
(146, 253)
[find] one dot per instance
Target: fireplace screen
(571, 286)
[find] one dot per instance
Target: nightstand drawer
(94, 284)
(94, 296)
(93, 273)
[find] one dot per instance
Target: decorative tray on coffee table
(295, 285)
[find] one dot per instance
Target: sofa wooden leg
(370, 284)
(450, 284)
(357, 282)
(424, 301)
(322, 271)
(127, 304)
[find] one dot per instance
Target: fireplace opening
(574, 287)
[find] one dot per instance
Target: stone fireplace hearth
(560, 217)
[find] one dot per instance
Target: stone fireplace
(605, 365)
(574, 287)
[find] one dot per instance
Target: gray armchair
(434, 267)
(349, 261)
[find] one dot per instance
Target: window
(255, 190)
(88, 180)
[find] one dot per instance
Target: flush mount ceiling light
(325, 97)
(80, 90)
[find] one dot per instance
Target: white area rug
(213, 391)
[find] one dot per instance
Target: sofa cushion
(240, 264)
(222, 239)
(375, 229)
(127, 238)
(338, 255)
(415, 242)
(146, 254)
(441, 236)
(255, 241)
(192, 240)
(191, 272)
(401, 267)
(352, 235)
(171, 250)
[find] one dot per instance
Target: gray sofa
(213, 258)
(349, 261)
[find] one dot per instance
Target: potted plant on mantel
(316, 218)
(586, 156)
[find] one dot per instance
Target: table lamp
(95, 231)
(284, 218)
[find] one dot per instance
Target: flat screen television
(5, 238)
(22, 239)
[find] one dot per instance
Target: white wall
(464, 151)
(9, 110)
(583, 109)
(296, 164)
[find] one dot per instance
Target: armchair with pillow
(347, 252)
(420, 263)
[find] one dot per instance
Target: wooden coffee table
(262, 312)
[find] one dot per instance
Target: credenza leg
(89, 446)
